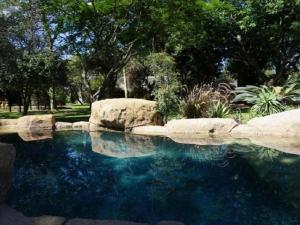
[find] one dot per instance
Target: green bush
(164, 79)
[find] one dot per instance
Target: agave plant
(291, 89)
(265, 100)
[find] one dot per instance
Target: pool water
(144, 179)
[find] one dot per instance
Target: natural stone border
(281, 125)
(285, 124)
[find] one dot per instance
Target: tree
(100, 32)
(264, 37)
(37, 65)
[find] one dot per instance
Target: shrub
(199, 101)
(166, 86)
(196, 103)
(265, 100)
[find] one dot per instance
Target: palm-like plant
(291, 88)
(265, 100)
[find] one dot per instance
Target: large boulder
(202, 126)
(125, 113)
(7, 159)
(281, 124)
(37, 122)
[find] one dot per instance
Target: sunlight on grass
(68, 113)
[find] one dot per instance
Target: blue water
(145, 179)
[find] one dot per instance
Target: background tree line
(78, 50)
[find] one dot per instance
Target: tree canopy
(81, 47)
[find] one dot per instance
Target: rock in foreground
(205, 126)
(281, 124)
(125, 113)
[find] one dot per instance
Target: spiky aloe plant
(219, 109)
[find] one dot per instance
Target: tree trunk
(26, 102)
(108, 87)
(26, 106)
(125, 83)
(51, 93)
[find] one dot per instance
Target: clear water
(145, 179)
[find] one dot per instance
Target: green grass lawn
(69, 113)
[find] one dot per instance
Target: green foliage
(291, 88)
(166, 86)
(219, 110)
(265, 100)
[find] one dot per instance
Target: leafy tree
(165, 81)
(101, 33)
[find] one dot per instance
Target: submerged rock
(125, 113)
(37, 122)
(121, 145)
(7, 159)
(48, 220)
(9, 216)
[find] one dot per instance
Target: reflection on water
(142, 179)
(121, 146)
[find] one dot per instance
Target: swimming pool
(150, 179)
